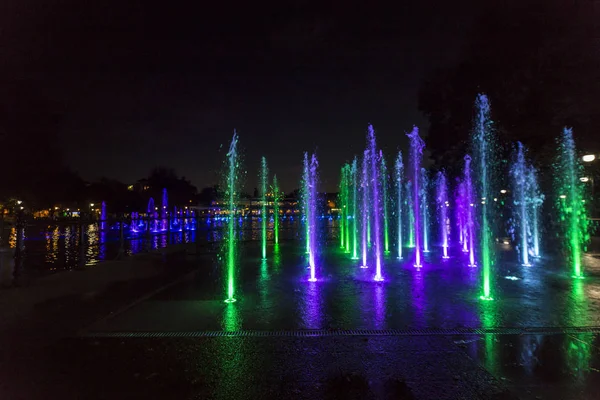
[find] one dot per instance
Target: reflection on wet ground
(557, 355)
(540, 366)
(275, 295)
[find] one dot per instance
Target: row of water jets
(367, 208)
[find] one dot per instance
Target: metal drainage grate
(346, 332)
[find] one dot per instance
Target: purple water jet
(416, 152)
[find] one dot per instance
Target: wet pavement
(417, 335)
(275, 295)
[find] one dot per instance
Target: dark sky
(139, 84)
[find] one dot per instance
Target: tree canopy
(539, 63)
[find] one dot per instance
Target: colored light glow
(375, 182)
(470, 218)
(425, 209)
(442, 201)
(365, 207)
(521, 182)
(354, 173)
(399, 172)
(572, 211)
(305, 205)
(264, 179)
(342, 205)
(311, 190)
(276, 199)
(231, 192)
(416, 145)
(483, 141)
(384, 184)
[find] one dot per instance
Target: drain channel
(348, 332)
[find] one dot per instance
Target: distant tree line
(538, 61)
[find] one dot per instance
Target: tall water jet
(469, 204)
(342, 205)
(276, 200)
(519, 172)
(484, 157)
(264, 217)
(442, 204)
(164, 209)
(354, 173)
(537, 198)
(461, 214)
(364, 184)
(570, 201)
(150, 212)
(416, 152)
(231, 194)
(305, 200)
(399, 175)
(376, 206)
(425, 209)
(348, 204)
(411, 214)
(312, 222)
(384, 185)
(103, 216)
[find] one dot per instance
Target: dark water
(47, 247)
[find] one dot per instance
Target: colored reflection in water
(232, 320)
(418, 298)
(380, 306)
(310, 307)
(266, 303)
(276, 258)
(578, 347)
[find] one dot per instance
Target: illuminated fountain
(341, 204)
(311, 190)
(536, 198)
(164, 209)
(276, 200)
(484, 157)
(348, 206)
(152, 222)
(384, 185)
(462, 208)
(103, 216)
(425, 209)
(365, 207)
(305, 201)
(570, 202)
(442, 205)
(399, 175)
(376, 200)
(264, 217)
(353, 180)
(231, 196)
(519, 172)
(344, 206)
(416, 152)
(411, 214)
(469, 206)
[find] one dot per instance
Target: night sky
(140, 84)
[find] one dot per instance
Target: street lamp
(584, 179)
(588, 158)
